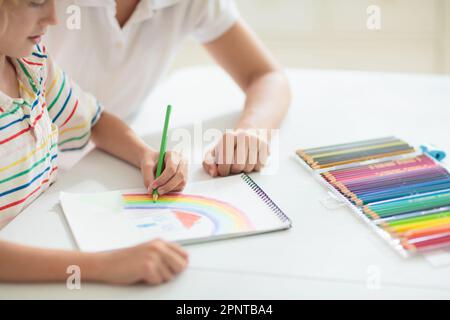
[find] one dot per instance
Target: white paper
(214, 209)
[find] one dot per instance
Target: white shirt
(121, 66)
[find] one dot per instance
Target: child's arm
(115, 137)
(153, 263)
(78, 116)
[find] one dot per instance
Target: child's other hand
(173, 177)
(227, 158)
(153, 263)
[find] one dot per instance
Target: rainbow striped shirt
(52, 114)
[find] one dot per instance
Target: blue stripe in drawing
(146, 225)
(180, 206)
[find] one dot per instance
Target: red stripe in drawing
(71, 114)
(1, 109)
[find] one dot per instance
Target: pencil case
(410, 190)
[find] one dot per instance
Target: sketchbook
(211, 210)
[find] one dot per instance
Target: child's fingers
(171, 165)
(148, 174)
(169, 258)
(152, 273)
(178, 178)
(149, 177)
(174, 261)
(180, 187)
(165, 270)
(178, 249)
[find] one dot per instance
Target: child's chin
(25, 51)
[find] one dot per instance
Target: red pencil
(428, 244)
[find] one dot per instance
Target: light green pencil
(162, 149)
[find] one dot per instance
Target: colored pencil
(408, 198)
(329, 156)
(162, 150)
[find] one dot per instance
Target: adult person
(125, 46)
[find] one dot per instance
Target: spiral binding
(267, 200)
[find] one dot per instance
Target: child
(42, 111)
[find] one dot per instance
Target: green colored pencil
(162, 149)
(440, 215)
(410, 204)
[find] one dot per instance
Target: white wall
(414, 34)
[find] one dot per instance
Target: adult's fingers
(240, 153)
(252, 158)
(263, 154)
(225, 154)
(209, 163)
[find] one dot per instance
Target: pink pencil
(367, 171)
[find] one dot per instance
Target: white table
(327, 253)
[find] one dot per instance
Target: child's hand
(173, 177)
(153, 263)
(227, 158)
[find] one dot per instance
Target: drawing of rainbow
(225, 217)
